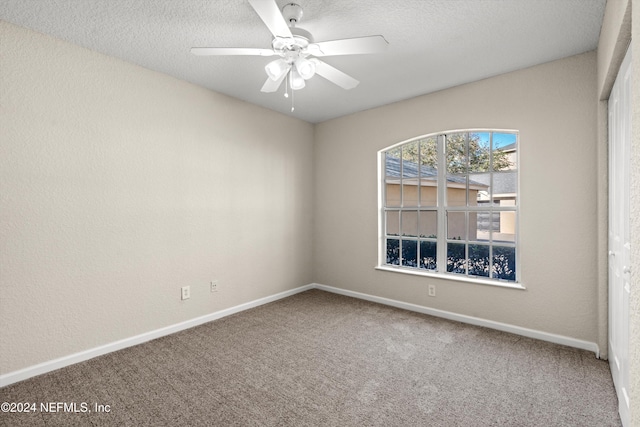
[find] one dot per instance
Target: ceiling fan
(296, 50)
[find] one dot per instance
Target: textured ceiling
(433, 44)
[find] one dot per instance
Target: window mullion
(382, 202)
(442, 214)
(401, 180)
(491, 261)
(400, 236)
(419, 190)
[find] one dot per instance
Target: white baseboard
(52, 365)
(505, 327)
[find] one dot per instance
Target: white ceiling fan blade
(220, 51)
(358, 45)
(273, 85)
(334, 75)
(271, 16)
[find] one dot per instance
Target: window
(450, 205)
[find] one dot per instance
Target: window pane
(480, 224)
(393, 251)
(456, 258)
(393, 223)
(429, 156)
(428, 255)
(410, 174)
(395, 152)
(505, 227)
(428, 172)
(479, 189)
(428, 221)
(410, 160)
(456, 152)
(410, 223)
(456, 190)
(505, 147)
(392, 195)
(456, 226)
(479, 260)
(392, 178)
(410, 192)
(392, 163)
(428, 192)
(504, 263)
(505, 188)
(479, 152)
(410, 253)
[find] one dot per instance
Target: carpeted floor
(320, 359)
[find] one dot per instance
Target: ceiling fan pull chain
(292, 108)
(286, 86)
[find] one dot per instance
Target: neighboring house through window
(450, 205)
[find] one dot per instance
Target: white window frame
(442, 209)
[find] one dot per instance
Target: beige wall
(553, 108)
(119, 185)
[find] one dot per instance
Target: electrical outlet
(186, 292)
(214, 286)
(432, 290)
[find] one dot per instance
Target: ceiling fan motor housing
(292, 48)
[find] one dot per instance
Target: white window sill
(450, 276)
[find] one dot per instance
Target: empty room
(319, 213)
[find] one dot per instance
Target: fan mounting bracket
(292, 13)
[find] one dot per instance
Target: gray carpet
(320, 359)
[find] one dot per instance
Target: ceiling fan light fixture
(305, 68)
(297, 82)
(276, 69)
